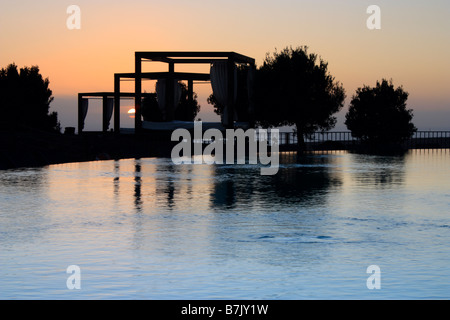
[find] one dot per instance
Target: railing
(343, 140)
(429, 139)
(334, 140)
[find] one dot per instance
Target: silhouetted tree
(150, 108)
(379, 115)
(218, 108)
(294, 87)
(186, 110)
(25, 99)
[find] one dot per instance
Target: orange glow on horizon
(131, 113)
(410, 48)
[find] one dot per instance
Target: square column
(138, 94)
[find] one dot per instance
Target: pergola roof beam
(158, 55)
(162, 75)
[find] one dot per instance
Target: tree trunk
(301, 145)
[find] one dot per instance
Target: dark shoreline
(32, 148)
(26, 147)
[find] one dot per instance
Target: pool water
(150, 229)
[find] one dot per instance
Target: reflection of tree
(380, 170)
(304, 180)
(224, 193)
(303, 185)
(267, 216)
(25, 216)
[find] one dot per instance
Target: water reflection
(307, 180)
(224, 192)
(161, 184)
(137, 185)
(116, 180)
(277, 221)
(146, 228)
(244, 208)
(24, 188)
(167, 183)
(303, 180)
(379, 171)
(22, 180)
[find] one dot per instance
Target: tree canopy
(379, 114)
(294, 87)
(25, 99)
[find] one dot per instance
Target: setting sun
(131, 112)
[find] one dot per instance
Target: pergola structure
(171, 59)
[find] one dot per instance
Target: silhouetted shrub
(379, 116)
(25, 99)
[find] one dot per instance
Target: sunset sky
(412, 47)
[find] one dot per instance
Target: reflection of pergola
(171, 58)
